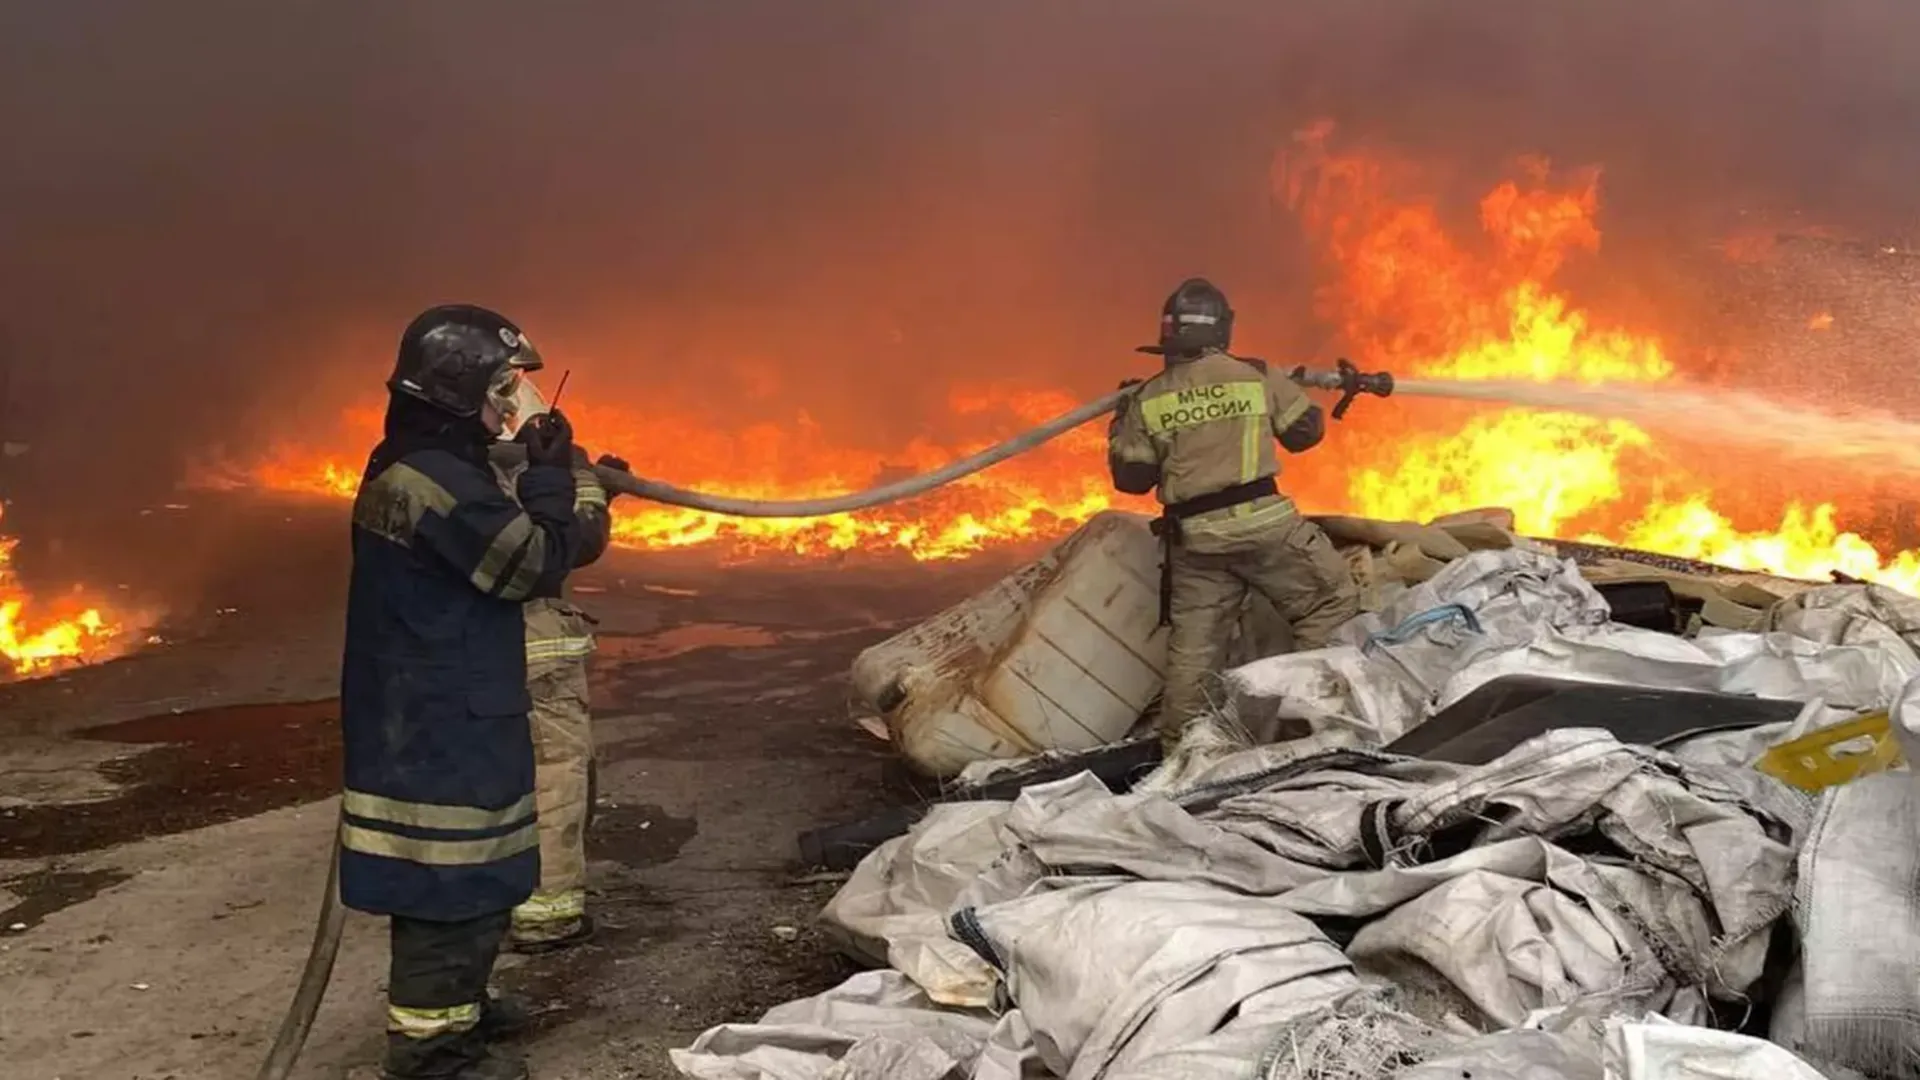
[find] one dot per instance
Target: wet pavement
(199, 768)
(756, 718)
(684, 639)
(162, 820)
(43, 892)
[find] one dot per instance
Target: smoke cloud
(216, 215)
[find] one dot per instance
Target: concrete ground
(165, 818)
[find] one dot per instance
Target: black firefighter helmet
(1195, 319)
(455, 356)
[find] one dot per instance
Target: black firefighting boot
(451, 1057)
(497, 1065)
(505, 1015)
(437, 1001)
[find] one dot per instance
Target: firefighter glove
(548, 439)
(608, 461)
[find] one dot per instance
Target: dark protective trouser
(436, 991)
(1295, 566)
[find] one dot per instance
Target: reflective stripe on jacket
(557, 631)
(1208, 424)
(439, 819)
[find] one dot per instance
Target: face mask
(515, 397)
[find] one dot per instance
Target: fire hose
(1345, 378)
(1348, 380)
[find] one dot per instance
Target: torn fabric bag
(1237, 925)
(1857, 906)
(893, 909)
(1359, 1036)
(1513, 1055)
(875, 1026)
(1109, 971)
(1499, 613)
(1850, 615)
(1657, 1049)
(1651, 1049)
(1384, 668)
(1509, 590)
(1726, 833)
(1442, 872)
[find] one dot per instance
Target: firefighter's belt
(1167, 527)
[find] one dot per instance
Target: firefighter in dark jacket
(438, 828)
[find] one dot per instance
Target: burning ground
(47, 634)
(1403, 287)
(1404, 292)
(792, 252)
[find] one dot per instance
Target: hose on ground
(313, 980)
(654, 490)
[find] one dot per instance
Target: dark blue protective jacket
(439, 806)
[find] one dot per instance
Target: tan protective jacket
(1208, 424)
(559, 640)
(557, 631)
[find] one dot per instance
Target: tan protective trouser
(1297, 568)
(559, 641)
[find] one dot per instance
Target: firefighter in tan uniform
(559, 641)
(1202, 433)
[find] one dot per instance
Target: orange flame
(1047, 493)
(42, 645)
(1412, 299)
(1406, 294)
(295, 468)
